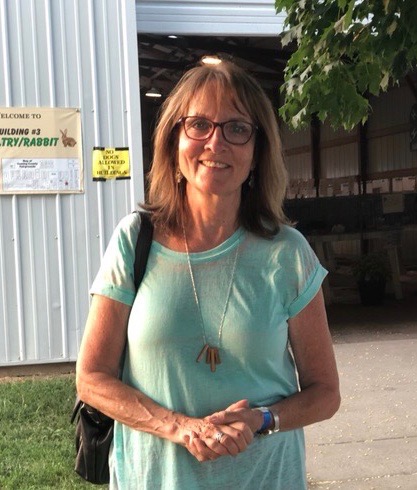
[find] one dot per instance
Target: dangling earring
(251, 182)
(178, 176)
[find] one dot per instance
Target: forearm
(312, 404)
(130, 406)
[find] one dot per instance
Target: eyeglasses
(235, 132)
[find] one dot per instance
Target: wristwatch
(270, 421)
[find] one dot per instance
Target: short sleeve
(115, 278)
(305, 273)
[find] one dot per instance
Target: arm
(319, 396)
(310, 339)
(98, 385)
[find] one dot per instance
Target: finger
(204, 451)
(235, 440)
(228, 415)
(224, 446)
(225, 417)
(237, 405)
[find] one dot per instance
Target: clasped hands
(225, 433)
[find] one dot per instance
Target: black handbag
(94, 430)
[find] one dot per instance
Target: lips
(213, 164)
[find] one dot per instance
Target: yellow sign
(40, 150)
(111, 163)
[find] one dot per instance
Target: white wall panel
(391, 152)
(65, 53)
(224, 18)
(299, 166)
(389, 138)
(339, 161)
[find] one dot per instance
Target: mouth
(213, 164)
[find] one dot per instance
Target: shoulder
(289, 234)
(127, 230)
(122, 243)
(129, 223)
(287, 239)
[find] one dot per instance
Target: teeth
(209, 163)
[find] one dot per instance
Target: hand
(200, 439)
(238, 412)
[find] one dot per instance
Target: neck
(211, 224)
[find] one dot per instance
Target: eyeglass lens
(200, 128)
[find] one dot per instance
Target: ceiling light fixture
(153, 92)
(211, 59)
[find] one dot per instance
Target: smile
(212, 164)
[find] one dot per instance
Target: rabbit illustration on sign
(67, 140)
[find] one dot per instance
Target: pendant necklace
(211, 352)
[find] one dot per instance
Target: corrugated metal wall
(389, 131)
(297, 153)
(64, 53)
(214, 17)
(389, 150)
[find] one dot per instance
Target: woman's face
(215, 167)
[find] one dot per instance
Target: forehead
(212, 100)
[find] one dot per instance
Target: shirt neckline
(223, 248)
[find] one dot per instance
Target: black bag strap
(143, 246)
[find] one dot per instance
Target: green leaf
(348, 16)
(344, 49)
(384, 81)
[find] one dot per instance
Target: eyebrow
(233, 119)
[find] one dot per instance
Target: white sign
(40, 150)
(58, 174)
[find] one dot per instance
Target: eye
(238, 127)
(199, 124)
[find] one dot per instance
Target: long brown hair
(261, 209)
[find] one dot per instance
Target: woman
(228, 284)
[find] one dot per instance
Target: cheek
(247, 158)
(187, 149)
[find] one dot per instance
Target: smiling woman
(217, 87)
(215, 158)
(208, 372)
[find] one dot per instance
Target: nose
(216, 142)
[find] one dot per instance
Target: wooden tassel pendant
(212, 356)
(202, 352)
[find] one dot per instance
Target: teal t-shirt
(274, 280)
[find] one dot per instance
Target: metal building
(76, 54)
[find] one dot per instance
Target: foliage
(345, 50)
(36, 438)
(372, 267)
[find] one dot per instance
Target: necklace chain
(212, 353)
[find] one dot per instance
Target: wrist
(267, 420)
(276, 425)
(270, 420)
